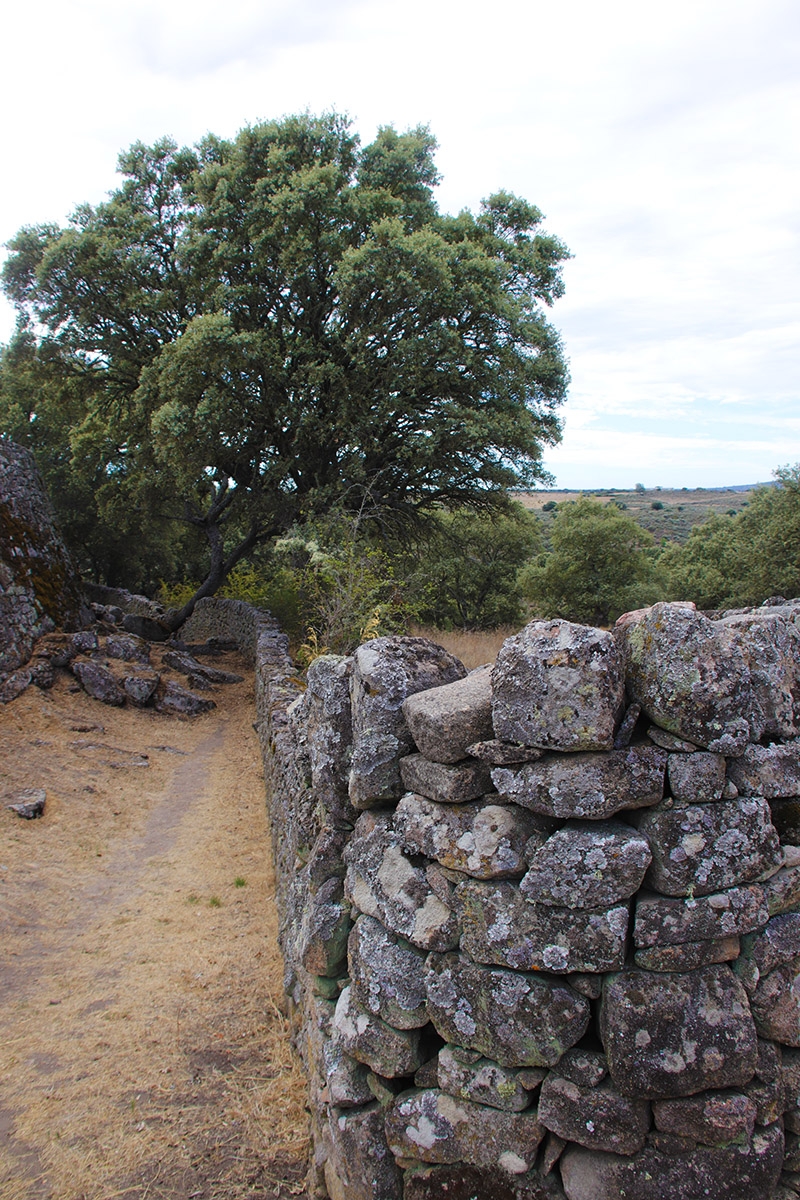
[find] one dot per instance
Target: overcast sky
(660, 140)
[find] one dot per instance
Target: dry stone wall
(541, 923)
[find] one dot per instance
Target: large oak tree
(253, 330)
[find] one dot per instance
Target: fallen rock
(386, 671)
(29, 804)
(128, 648)
(445, 720)
(141, 687)
(558, 686)
(515, 1019)
(178, 660)
(486, 841)
(597, 1117)
(98, 682)
(690, 676)
(592, 786)
(434, 1126)
(669, 1035)
(453, 783)
(583, 866)
(703, 848)
(501, 927)
(177, 701)
(13, 685)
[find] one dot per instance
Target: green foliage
(707, 568)
(467, 568)
(253, 330)
(601, 564)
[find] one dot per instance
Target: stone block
(345, 1076)
(597, 1117)
(689, 675)
(696, 778)
(329, 728)
(447, 783)
(592, 786)
(688, 956)
(776, 1003)
(558, 686)
(486, 841)
(361, 1165)
(385, 672)
(388, 1051)
(325, 926)
(771, 771)
(445, 720)
(503, 754)
(703, 848)
(587, 866)
(711, 1118)
(587, 1068)
(662, 921)
(782, 891)
(670, 1035)
(141, 687)
(499, 926)
(467, 1075)
(433, 1126)
(748, 1172)
(382, 882)
(387, 974)
(776, 944)
(770, 644)
(516, 1019)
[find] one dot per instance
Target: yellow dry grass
(144, 1053)
(473, 648)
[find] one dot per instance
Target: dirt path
(143, 1053)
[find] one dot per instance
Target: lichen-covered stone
(361, 1165)
(776, 944)
(769, 771)
(668, 741)
(696, 778)
(592, 786)
(770, 643)
(385, 672)
(127, 648)
(501, 927)
(179, 701)
(583, 866)
(329, 730)
(448, 783)
(776, 1003)
(433, 1126)
(748, 1172)
(703, 848)
(486, 841)
(587, 1068)
(467, 1075)
(388, 975)
(345, 1076)
(445, 720)
(324, 929)
(503, 754)
(709, 1118)
(669, 922)
(383, 883)
(388, 1051)
(782, 890)
(141, 687)
(597, 1117)
(689, 675)
(515, 1019)
(98, 682)
(676, 1034)
(688, 956)
(558, 686)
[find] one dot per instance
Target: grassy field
(667, 512)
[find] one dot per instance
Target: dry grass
(144, 1051)
(473, 648)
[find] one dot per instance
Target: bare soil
(143, 1050)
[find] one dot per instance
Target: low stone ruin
(540, 923)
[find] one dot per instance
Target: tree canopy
(252, 330)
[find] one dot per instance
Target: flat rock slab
(433, 1126)
(503, 754)
(669, 922)
(467, 1075)
(748, 1172)
(382, 882)
(688, 956)
(178, 660)
(558, 686)
(696, 778)
(388, 1051)
(445, 720)
(592, 866)
(689, 675)
(486, 841)
(591, 786)
(516, 1019)
(178, 701)
(710, 1118)
(772, 771)
(127, 648)
(98, 682)
(597, 1117)
(387, 974)
(386, 671)
(448, 783)
(669, 1035)
(501, 927)
(703, 848)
